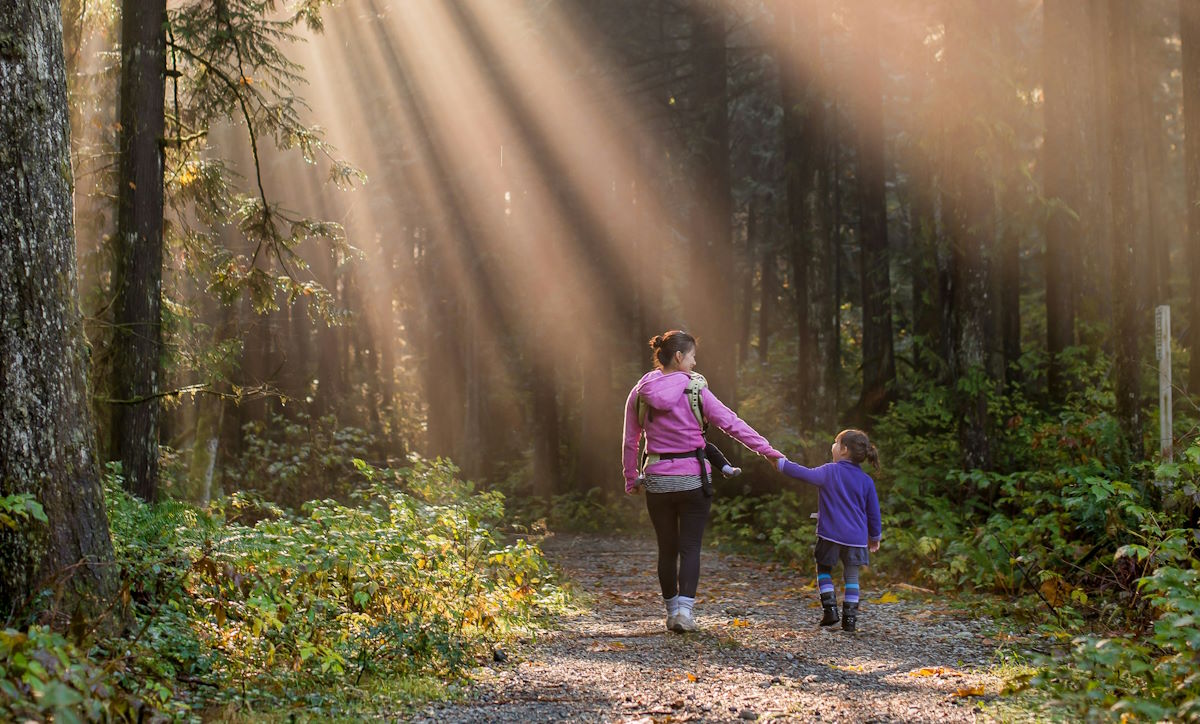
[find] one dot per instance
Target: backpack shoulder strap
(694, 387)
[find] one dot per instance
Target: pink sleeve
(718, 414)
(629, 448)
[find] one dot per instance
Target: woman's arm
(718, 414)
(629, 449)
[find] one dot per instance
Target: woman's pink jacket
(671, 426)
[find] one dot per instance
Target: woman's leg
(665, 517)
(693, 516)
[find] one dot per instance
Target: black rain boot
(829, 605)
(849, 615)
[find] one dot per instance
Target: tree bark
(1122, 96)
(1066, 101)
(47, 442)
(711, 227)
(969, 207)
(878, 358)
(1189, 30)
(803, 121)
(139, 246)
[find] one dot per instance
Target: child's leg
(718, 460)
(851, 590)
(850, 598)
(828, 597)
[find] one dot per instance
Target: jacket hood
(662, 391)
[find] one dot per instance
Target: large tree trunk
(878, 358)
(1122, 97)
(1066, 30)
(47, 443)
(139, 246)
(969, 207)
(1189, 30)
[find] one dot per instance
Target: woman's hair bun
(657, 341)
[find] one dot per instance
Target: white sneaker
(684, 623)
(671, 622)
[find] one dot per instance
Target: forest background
(324, 249)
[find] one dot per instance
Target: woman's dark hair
(860, 447)
(665, 346)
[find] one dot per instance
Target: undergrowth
(247, 608)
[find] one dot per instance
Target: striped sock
(851, 594)
(824, 580)
(672, 605)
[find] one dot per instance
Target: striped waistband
(671, 483)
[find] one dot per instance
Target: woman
(676, 474)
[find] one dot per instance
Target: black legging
(679, 520)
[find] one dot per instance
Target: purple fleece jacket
(847, 506)
(671, 426)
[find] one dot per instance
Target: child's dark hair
(860, 447)
(665, 346)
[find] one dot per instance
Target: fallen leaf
(739, 623)
(850, 667)
(888, 597)
(691, 678)
(969, 691)
(934, 671)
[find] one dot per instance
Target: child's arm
(629, 450)
(812, 476)
(874, 521)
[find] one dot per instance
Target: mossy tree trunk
(139, 246)
(47, 444)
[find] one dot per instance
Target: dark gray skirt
(829, 553)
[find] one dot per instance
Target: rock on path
(759, 656)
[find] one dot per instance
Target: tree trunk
(803, 120)
(139, 246)
(969, 207)
(711, 228)
(47, 442)
(1122, 96)
(747, 306)
(1066, 33)
(1189, 30)
(878, 359)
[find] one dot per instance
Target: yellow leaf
(969, 691)
(739, 623)
(691, 677)
(850, 667)
(888, 597)
(934, 671)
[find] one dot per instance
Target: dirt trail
(759, 655)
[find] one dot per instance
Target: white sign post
(1162, 344)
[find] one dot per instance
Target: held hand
(873, 546)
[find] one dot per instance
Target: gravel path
(759, 656)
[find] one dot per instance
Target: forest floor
(759, 655)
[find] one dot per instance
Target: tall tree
(139, 246)
(1189, 31)
(1066, 33)
(711, 227)
(47, 443)
(1122, 97)
(970, 211)
(878, 357)
(803, 124)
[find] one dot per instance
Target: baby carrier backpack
(695, 385)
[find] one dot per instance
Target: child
(848, 523)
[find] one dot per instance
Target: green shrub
(247, 604)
